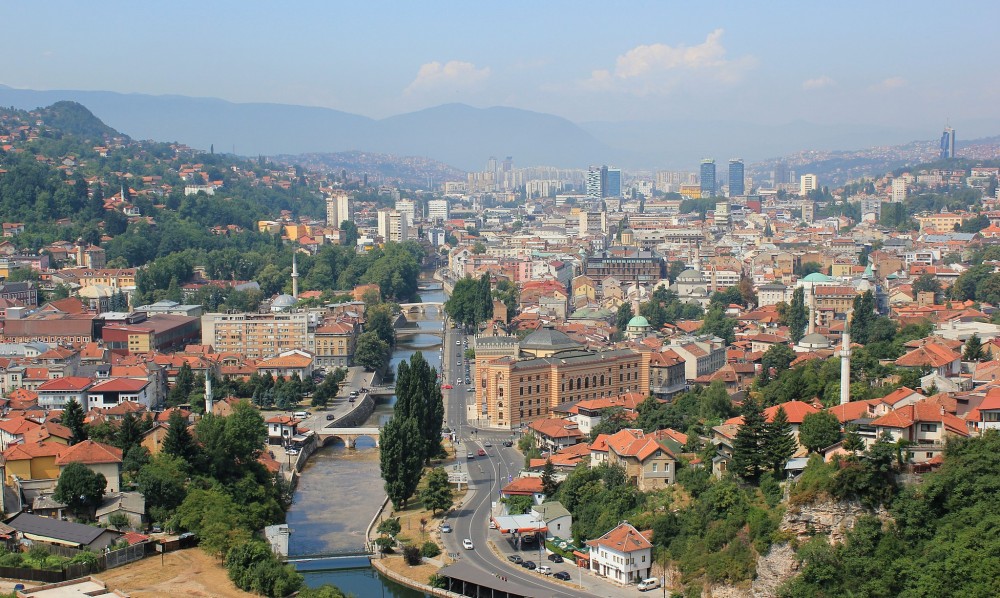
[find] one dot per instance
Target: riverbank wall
(363, 409)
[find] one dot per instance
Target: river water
(340, 490)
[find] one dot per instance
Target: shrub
(411, 554)
(12, 559)
(430, 549)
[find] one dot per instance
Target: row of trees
(471, 302)
(413, 436)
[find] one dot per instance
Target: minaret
(812, 312)
(208, 392)
(295, 278)
(845, 363)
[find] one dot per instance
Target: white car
(648, 584)
(467, 544)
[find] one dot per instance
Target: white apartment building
(623, 555)
(255, 335)
(807, 183)
(898, 190)
(393, 226)
(410, 208)
(437, 209)
(338, 209)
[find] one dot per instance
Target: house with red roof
(623, 555)
(108, 393)
(987, 415)
(933, 355)
(555, 434)
(795, 410)
(54, 394)
(925, 425)
(281, 429)
(647, 460)
(525, 486)
(99, 458)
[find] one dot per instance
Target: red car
(482, 453)
(447, 387)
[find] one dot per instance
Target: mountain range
(456, 134)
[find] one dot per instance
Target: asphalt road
(486, 475)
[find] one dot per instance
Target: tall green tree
(549, 484)
(717, 323)
(973, 350)
(779, 444)
(72, 418)
(418, 395)
(624, 316)
(863, 317)
(798, 316)
(178, 441)
(401, 447)
(183, 386)
(775, 360)
(371, 351)
(484, 299)
(750, 458)
(379, 321)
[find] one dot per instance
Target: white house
(623, 555)
(54, 394)
(556, 518)
(108, 393)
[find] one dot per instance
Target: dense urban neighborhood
(738, 381)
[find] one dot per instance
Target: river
(340, 490)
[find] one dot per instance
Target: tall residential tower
(708, 177)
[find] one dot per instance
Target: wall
(359, 415)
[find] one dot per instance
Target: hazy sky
(864, 62)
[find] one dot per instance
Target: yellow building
(255, 335)
(517, 383)
(942, 222)
(691, 191)
(34, 461)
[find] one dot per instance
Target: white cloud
(818, 83)
(657, 67)
(452, 75)
(889, 84)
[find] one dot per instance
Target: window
(654, 467)
(928, 427)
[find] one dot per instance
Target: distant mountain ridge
(465, 137)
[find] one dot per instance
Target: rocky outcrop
(827, 517)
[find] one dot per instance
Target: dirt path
(183, 573)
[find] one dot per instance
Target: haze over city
(904, 73)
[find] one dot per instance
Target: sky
(845, 62)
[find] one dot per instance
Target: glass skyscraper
(737, 186)
(613, 183)
(707, 177)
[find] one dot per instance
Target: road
(486, 475)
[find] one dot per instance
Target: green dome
(638, 322)
(817, 277)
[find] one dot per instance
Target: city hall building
(520, 382)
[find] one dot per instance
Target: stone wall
(828, 517)
(359, 415)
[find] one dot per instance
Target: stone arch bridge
(420, 308)
(349, 436)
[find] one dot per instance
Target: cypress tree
(72, 418)
(779, 442)
(749, 455)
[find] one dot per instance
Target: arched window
(602, 379)
(586, 382)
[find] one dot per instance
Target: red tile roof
(89, 452)
(624, 538)
(523, 486)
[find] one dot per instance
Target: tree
(506, 292)
(973, 349)
(178, 441)
(549, 484)
(215, 518)
(779, 444)
(798, 317)
(777, 359)
(863, 317)
(484, 299)
(401, 458)
(926, 283)
(163, 481)
(350, 233)
(183, 386)
(749, 455)
(418, 395)
(371, 351)
(389, 527)
(624, 316)
(437, 495)
(819, 430)
(379, 321)
(80, 489)
(72, 418)
(716, 323)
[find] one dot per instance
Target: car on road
(487, 444)
(447, 387)
(545, 570)
(468, 381)
(467, 544)
(530, 565)
(515, 558)
(508, 443)
(648, 584)
(329, 417)
(470, 456)
(555, 558)
(470, 389)
(292, 451)
(445, 529)
(482, 453)
(458, 342)
(561, 575)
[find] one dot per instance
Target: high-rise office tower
(737, 178)
(612, 183)
(338, 209)
(898, 190)
(707, 177)
(780, 174)
(948, 143)
(594, 182)
(410, 208)
(393, 226)
(437, 209)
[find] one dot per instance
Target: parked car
(648, 584)
(561, 575)
(445, 529)
(329, 417)
(467, 544)
(529, 565)
(515, 558)
(555, 558)
(545, 570)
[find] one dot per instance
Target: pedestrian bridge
(412, 331)
(419, 308)
(349, 436)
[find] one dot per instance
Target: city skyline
(788, 63)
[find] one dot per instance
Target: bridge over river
(349, 436)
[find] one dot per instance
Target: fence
(123, 556)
